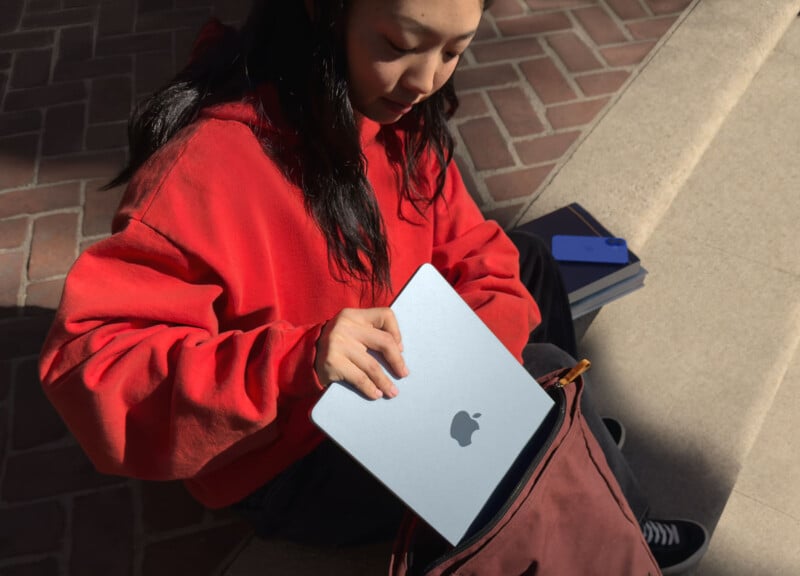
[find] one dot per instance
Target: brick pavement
(535, 81)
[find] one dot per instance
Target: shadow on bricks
(58, 515)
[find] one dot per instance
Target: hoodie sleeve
(479, 260)
(147, 380)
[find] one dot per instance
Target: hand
(342, 351)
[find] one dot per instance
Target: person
(281, 189)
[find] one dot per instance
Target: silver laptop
(461, 418)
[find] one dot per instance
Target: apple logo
(463, 426)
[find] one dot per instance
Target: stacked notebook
(589, 285)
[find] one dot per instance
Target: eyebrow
(419, 26)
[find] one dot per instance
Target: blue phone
(602, 249)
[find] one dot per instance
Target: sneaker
(677, 545)
(617, 431)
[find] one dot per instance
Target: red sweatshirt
(184, 344)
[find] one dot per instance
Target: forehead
(443, 18)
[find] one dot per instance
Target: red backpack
(566, 515)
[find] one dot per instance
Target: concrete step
(760, 526)
(696, 165)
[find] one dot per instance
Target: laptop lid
(461, 418)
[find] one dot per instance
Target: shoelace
(661, 534)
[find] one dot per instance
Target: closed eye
(399, 49)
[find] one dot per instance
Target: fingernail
(377, 394)
(394, 391)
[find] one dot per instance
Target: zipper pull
(573, 374)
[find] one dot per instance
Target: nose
(420, 77)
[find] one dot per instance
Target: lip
(396, 107)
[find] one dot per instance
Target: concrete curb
(632, 165)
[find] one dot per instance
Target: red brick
(3, 420)
(54, 245)
(168, 506)
(504, 216)
(577, 114)
(6, 374)
(627, 9)
(152, 70)
(41, 199)
(545, 148)
(80, 166)
(516, 111)
(471, 104)
(33, 529)
(534, 24)
(506, 8)
(102, 534)
(518, 184)
(628, 54)
(44, 567)
(40, 296)
(76, 43)
(575, 55)
(31, 69)
(64, 126)
(485, 30)
(602, 82)
(30, 476)
(155, 5)
(12, 12)
(600, 26)
(35, 422)
(19, 160)
(506, 49)
(486, 144)
(13, 233)
(11, 270)
(24, 40)
(548, 82)
(485, 76)
(107, 136)
(200, 554)
(192, 18)
(557, 4)
(651, 29)
(134, 43)
(14, 123)
(94, 68)
(111, 99)
(468, 177)
(54, 19)
(22, 336)
(42, 5)
(5, 60)
(45, 96)
(100, 208)
(116, 18)
(668, 6)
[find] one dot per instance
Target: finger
(369, 366)
(361, 381)
(388, 348)
(384, 319)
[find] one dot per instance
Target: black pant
(328, 498)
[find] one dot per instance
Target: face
(399, 52)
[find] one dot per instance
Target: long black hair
(304, 58)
